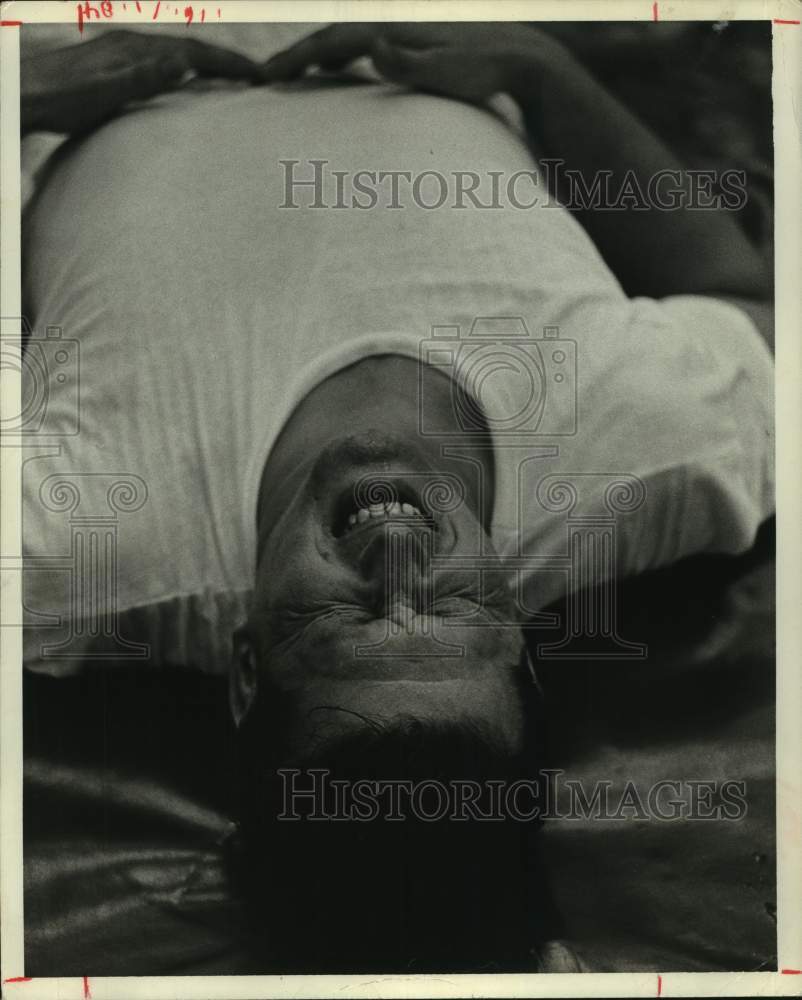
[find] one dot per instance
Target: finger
(174, 70)
(135, 82)
(214, 60)
(333, 64)
(415, 68)
(331, 48)
(436, 70)
(150, 77)
(139, 78)
(143, 79)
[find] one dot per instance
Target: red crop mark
(156, 11)
(783, 972)
(87, 12)
(17, 979)
(12, 24)
(659, 978)
(654, 11)
(780, 20)
(87, 994)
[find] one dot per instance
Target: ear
(243, 675)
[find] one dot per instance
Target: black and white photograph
(390, 430)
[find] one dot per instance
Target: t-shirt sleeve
(716, 486)
(673, 445)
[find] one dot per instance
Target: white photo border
(787, 98)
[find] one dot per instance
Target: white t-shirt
(204, 312)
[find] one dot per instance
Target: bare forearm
(652, 250)
(75, 89)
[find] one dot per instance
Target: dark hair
(416, 895)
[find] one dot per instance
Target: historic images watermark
(316, 184)
(316, 795)
(90, 507)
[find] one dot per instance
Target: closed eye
(456, 606)
(290, 623)
(459, 610)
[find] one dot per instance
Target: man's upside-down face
(369, 604)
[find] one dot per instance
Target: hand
(74, 89)
(467, 60)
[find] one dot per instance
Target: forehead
(335, 706)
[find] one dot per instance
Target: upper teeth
(383, 510)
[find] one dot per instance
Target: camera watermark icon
(503, 379)
(49, 375)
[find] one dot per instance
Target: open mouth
(404, 506)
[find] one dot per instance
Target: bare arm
(569, 116)
(75, 89)
(653, 251)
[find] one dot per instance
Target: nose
(398, 565)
